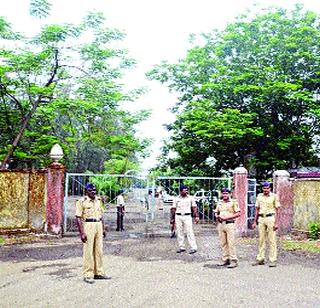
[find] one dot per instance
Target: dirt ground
(147, 272)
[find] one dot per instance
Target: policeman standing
(267, 214)
(89, 211)
(226, 212)
(181, 216)
(120, 210)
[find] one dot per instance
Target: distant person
(267, 215)
(149, 199)
(158, 199)
(181, 217)
(226, 212)
(89, 211)
(120, 210)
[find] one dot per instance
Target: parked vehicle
(206, 201)
(167, 198)
(202, 194)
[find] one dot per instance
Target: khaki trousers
(227, 240)
(184, 225)
(266, 231)
(93, 249)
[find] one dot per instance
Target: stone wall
(14, 199)
(306, 202)
(32, 199)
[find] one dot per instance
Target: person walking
(181, 216)
(89, 211)
(267, 215)
(226, 212)
(120, 210)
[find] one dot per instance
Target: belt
(266, 215)
(183, 214)
(92, 220)
(228, 222)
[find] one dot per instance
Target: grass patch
(20, 239)
(17, 239)
(248, 241)
(308, 246)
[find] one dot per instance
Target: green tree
(64, 85)
(249, 94)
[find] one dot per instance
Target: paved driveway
(146, 272)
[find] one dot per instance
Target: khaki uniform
(183, 220)
(87, 208)
(226, 229)
(267, 208)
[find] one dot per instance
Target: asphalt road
(147, 272)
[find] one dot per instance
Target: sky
(156, 30)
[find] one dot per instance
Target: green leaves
(40, 8)
(248, 94)
(63, 86)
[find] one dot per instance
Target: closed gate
(205, 190)
(251, 201)
(147, 199)
(108, 187)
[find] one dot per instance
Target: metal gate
(205, 190)
(108, 187)
(147, 199)
(251, 201)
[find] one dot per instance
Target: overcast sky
(156, 30)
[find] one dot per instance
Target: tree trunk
(16, 141)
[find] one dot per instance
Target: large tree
(64, 85)
(249, 94)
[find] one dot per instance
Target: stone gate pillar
(282, 186)
(240, 192)
(55, 197)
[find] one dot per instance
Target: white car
(202, 194)
(167, 198)
(207, 196)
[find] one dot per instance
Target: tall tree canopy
(247, 95)
(64, 85)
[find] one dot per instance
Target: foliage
(64, 86)
(40, 8)
(314, 229)
(248, 94)
(308, 246)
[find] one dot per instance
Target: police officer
(267, 213)
(89, 211)
(181, 216)
(226, 212)
(120, 210)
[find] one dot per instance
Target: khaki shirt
(88, 208)
(183, 204)
(267, 204)
(227, 209)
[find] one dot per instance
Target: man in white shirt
(120, 210)
(181, 216)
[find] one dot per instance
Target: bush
(2, 241)
(314, 229)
